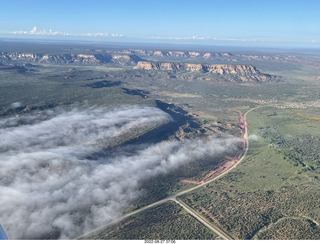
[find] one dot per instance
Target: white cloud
(35, 31)
(195, 37)
(50, 32)
(55, 178)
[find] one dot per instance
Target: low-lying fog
(48, 182)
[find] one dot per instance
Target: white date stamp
(160, 241)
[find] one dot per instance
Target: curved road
(220, 233)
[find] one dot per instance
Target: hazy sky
(264, 22)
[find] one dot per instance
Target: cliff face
(220, 56)
(177, 54)
(243, 73)
(91, 59)
(211, 68)
(158, 66)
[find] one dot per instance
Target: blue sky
(242, 22)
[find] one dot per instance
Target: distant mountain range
(186, 69)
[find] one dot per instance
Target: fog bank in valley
(50, 184)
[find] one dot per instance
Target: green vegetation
(169, 184)
(269, 185)
(294, 134)
(168, 221)
(244, 214)
(290, 229)
(41, 90)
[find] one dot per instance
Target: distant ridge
(91, 59)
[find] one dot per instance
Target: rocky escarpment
(240, 73)
(177, 54)
(91, 59)
(226, 56)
